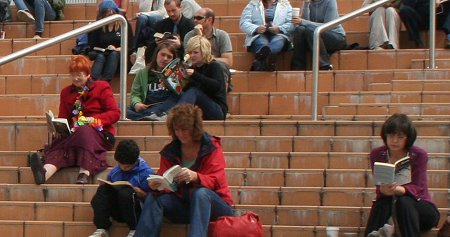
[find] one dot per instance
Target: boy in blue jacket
(122, 203)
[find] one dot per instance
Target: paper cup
(332, 231)
(295, 12)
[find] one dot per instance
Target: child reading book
(409, 204)
(121, 194)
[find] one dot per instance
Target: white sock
(50, 171)
(84, 171)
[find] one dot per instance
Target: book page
(164, 182)
(117, 183)
(383, 173)
(172, 172)
(50, 126)
(403, 171)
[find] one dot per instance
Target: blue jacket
(137, 176)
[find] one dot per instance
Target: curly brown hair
(186, 116)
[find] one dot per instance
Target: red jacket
(210, 166)
(99, 103)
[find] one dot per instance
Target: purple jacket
(418, 188)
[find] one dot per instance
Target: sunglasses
(198, 18)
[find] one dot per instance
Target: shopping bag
(246, 225)
(140, 60)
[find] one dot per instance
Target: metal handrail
(432, 43)
(315, 49)
(328, 25)
(84, 29)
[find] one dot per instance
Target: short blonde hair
(203, 44)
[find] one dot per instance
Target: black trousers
(412, 216)
(121, 204)
(329, 43)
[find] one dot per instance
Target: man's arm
(226, 58)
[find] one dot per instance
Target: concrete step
(342, 60)
(411, 85)
(269, 214)
(280, 81)
(242, 195)
(387, 108)
(351, 178)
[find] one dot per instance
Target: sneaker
(263, 53)
(326, 67)
(99, 233)
(131, 233)
(374, 234)
(151, 117)
(37, 168)
(387, 230)
(26, 16)
(162, 117)
(37, 37)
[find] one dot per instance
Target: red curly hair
(79, 64)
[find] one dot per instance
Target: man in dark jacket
(176, 24)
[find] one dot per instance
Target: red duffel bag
(246, 225)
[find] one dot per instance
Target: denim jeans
(276, 43)
(157, 109)
(145, 22)
(42, 11)
(303, 42)
(211, 110)
(105, 65)
(203, 206)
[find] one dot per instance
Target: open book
(164, 36)
(167, 178)
(399, 172)
(57, 125)
(117, 184)
(101, 49)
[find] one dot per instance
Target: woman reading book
(201, 193)
(409, 205)
(91, 110)
(148, 91)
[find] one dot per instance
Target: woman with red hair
(91, 110)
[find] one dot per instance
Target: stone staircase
(298, 175)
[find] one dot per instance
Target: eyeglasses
(199, 18)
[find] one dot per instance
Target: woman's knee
(201, 194)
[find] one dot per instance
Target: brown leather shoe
(82, 179)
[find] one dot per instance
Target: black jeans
(413, 217)
(329, 43)
(121, 204)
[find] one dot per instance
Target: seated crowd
(200, 191)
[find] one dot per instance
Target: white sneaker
(26, 16)
(99, 233)
(131, 233)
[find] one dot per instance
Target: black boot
(37, 168)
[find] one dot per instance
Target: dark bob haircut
(399, 123)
